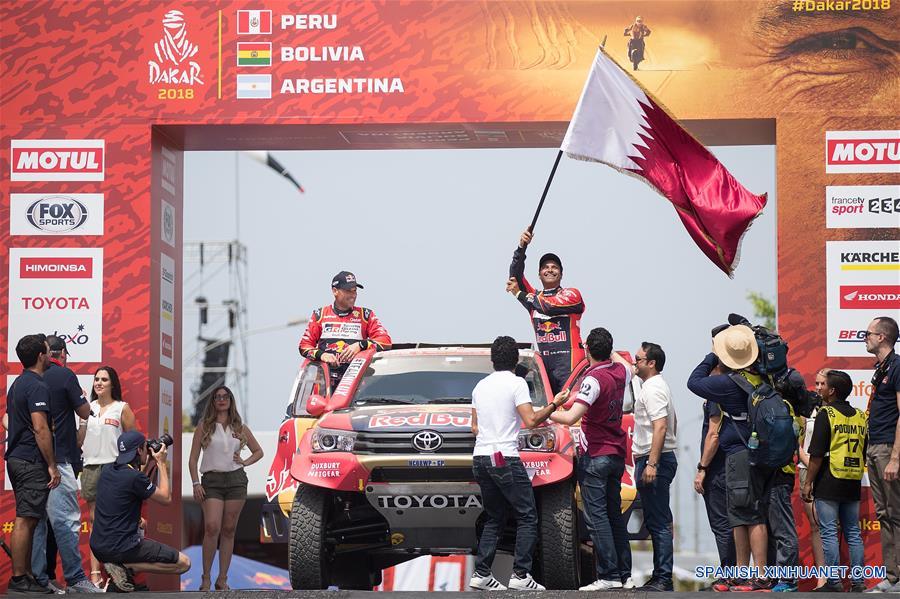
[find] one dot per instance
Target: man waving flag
(619, 124)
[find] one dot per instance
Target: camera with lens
(156, 444)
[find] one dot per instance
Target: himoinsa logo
(56, 268)
(56, 160)
(862, 151)
(874, 297)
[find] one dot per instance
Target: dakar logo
(172, 52)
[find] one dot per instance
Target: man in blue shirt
(63, 511)
(735, 349)
(116, 538)
(883, 453)
(30, 463)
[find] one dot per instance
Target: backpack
(770, 416)
(773, 352)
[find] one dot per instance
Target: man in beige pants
(883, 454)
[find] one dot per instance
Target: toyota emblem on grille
(427, 441)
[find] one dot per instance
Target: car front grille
(449, 474)
(402, 443)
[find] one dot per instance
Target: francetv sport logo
(57, 160)
(862, 151)
(862, 206)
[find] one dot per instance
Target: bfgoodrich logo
(56, 160)
(862, 151)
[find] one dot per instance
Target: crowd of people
(57, 437)
(746, 468)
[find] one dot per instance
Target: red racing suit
(556, 317)
(330, 330)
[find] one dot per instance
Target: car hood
(453, 418)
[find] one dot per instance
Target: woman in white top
(110, 417)
(810, 508)
(223, 489)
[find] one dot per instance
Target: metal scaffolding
(216, 285)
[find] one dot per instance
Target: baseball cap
(550, 257)
(345, 280)
(57, 343)
(128, 444)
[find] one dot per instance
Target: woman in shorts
(110, 417)
(222, 490)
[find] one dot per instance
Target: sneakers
(55, 588)
(723, 585)
(628, 584)
(526, 583)
(655, 585)
(26, 585)
(755, 585)
(830, 587)
(119, 576)
(881, 587)
(604, 585)
(785, 587)
(83, 586)
(486, 583)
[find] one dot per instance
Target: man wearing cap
(336, 333)
(116, 538)
(735, 349)
(555, 312)
(63, 512)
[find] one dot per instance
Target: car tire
(309, 560)
(558, 554)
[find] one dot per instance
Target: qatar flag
(619, 124)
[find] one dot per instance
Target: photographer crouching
(117, 539)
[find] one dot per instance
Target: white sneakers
(489, 583)
(525, 584)
(604, 585)
(885, 586)
(486, 583)
(628, 584)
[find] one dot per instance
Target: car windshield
(435, 379)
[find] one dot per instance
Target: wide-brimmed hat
(736, 346)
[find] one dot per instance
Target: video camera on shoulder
(772, 364)
(156, 444)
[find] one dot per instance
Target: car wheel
(559, 562)
(309, 560)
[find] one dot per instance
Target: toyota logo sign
(427, 441)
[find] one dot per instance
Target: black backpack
(771, 417)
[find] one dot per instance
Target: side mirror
(316, 405)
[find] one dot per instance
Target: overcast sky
(430, 234)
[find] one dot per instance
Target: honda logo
(427, 441)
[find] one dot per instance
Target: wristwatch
(701, 467)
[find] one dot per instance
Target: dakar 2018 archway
(100, 99)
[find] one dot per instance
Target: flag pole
(544, 195)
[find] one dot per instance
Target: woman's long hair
(116, 390)
(209, 418)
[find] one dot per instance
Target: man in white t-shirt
(501, 404)
(653, 447)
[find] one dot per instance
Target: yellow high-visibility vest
(848, 434)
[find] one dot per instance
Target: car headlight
(538, 439)
(325, 440)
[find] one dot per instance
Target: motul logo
(57, 160)
(874, 297)
(56, 268)
(862, 151)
